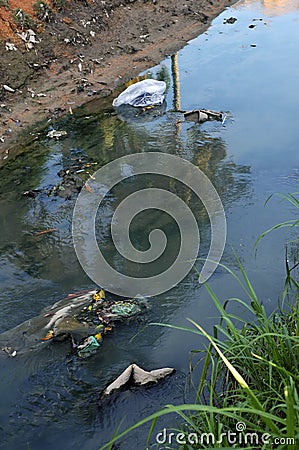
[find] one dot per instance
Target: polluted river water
(248, 69)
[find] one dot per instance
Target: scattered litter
(32, 193)
(125, 309)
(89, 346)
(49, 335)
(135, 375)
(230, 20)
(31, 91)
(29, 38)
(92, 33)
(49, 230)
(56, 134)
(16, 121)
(8, 88)
(83, 318)
(99, 295)
(70, 184)
(130, 114)
(202, 115)
(9, 351)
(144, 93)
(87, 187)
(9, 46)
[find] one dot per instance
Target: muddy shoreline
(85, 52)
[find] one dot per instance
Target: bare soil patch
(84, 49)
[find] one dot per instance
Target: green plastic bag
(88, 348)
(125, 309)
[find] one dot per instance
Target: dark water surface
(50, 401)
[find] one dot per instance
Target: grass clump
(247, 395)
(43, 11)
(23, 20)
(4, 3)
(59, 4)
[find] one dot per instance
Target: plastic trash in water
(135, 375)
(89, 346)
(144, 93)
(56, 134)
(125, 309)
(202, 115)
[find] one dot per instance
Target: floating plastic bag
(137, 376)
(89, 347)
(125, 309)
(144, 93)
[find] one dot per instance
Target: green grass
(43, 11)
(250, 374)
(4, 3)
(292, 263)
(59, 4)
(23, 20)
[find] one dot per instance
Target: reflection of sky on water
(270, 7)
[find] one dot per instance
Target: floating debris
(49, 230)
(202, 115)
(135, 375)
(83, 319)
(55, 134)
(9, 351)
(144, 93)
(89, 346)
(230, 20)
(70, 184)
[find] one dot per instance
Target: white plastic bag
(144, 93)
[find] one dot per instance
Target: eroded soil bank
(80, 50)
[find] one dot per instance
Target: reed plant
(247, 394)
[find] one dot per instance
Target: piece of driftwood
(135, 375)
(202, 115)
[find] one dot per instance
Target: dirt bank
(57, 55)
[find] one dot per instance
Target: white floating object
(137, 376)
(144, 93)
